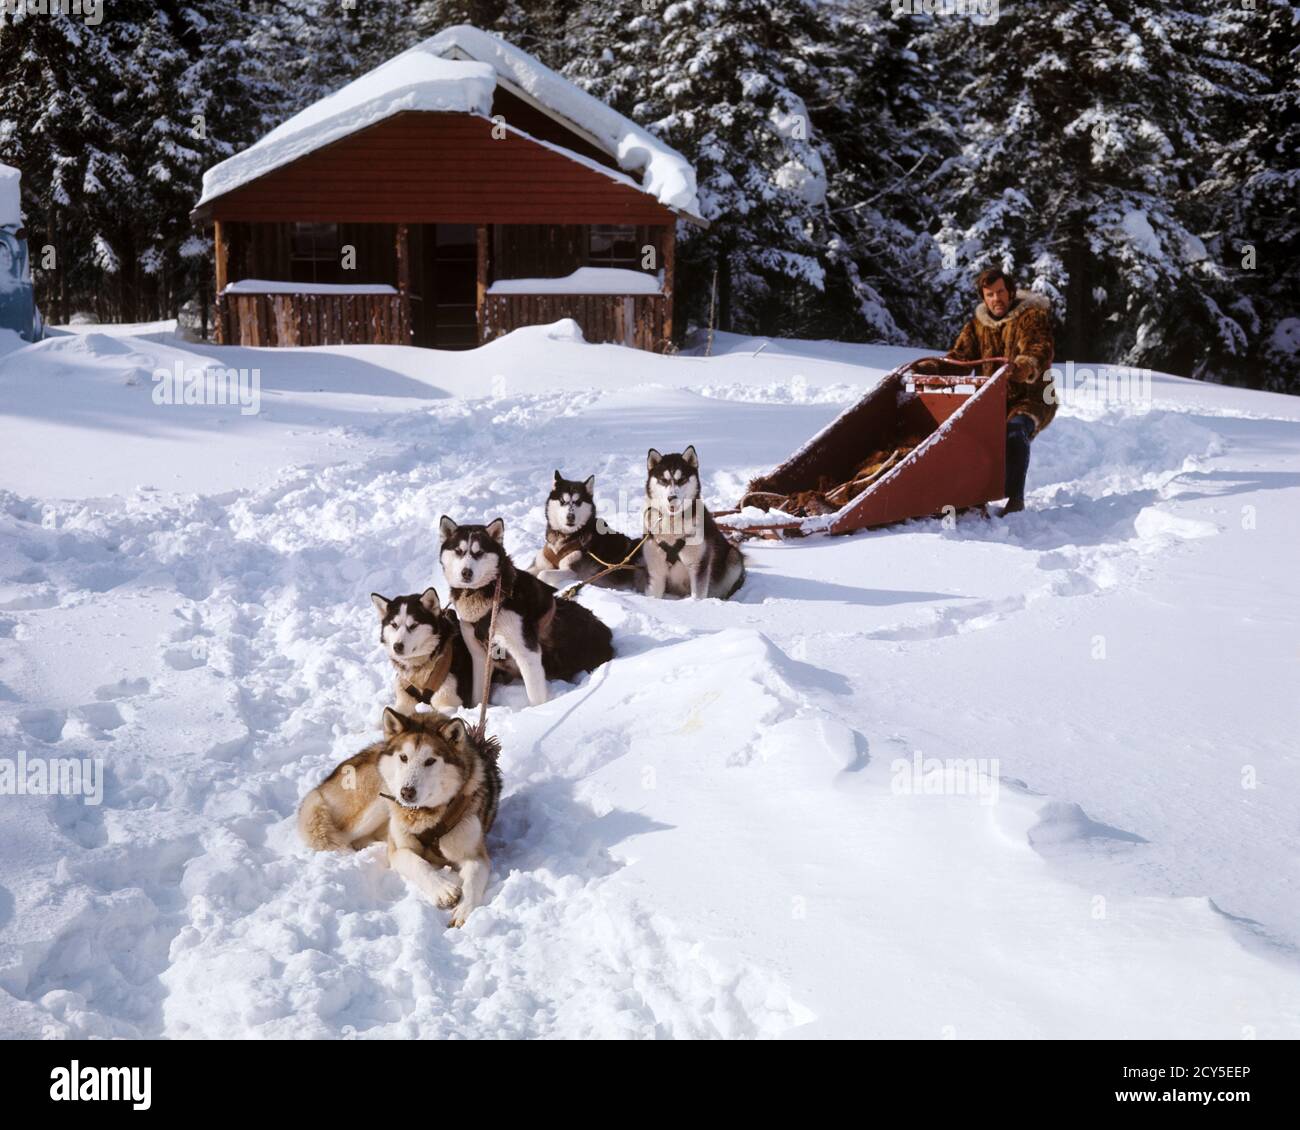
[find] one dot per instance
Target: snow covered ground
(710, 836)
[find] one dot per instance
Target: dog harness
(672, 550)
(555, 556)
(452, 815)
(437, 676)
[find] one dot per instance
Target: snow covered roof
(665, 174)
(458, 70)
(11, 206)
(418, 79)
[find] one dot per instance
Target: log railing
(314, 319)
(638, 320)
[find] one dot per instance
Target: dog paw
(459, 916)
(442, 893)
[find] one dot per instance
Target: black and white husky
(579, 545)
(431, 663)
(547, 638)
(685, 552)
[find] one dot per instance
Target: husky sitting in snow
(547, 638)
(431, 663)
(685, 552)
(432, 789)
(579, 545)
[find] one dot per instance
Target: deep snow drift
(720, 833)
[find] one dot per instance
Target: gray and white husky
(546, 638)
(685, 553)
(579, 544)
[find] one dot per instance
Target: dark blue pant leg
(1020, 430)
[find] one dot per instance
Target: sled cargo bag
(915, 445)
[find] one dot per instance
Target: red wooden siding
(532, 121)
(422, 167)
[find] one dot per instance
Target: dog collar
(452, 815)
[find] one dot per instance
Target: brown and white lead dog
(431, 789)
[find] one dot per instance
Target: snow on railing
(271, 286)
(585, 280)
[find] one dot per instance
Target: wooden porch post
(482, 269)
(221, 244)
(403, 258)
(669, 257)
(404, 281)
(221, 260)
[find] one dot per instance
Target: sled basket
(915, 445)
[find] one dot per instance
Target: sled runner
(914, 445)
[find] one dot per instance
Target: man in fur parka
(1018, 328)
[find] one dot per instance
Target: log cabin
(453, 194)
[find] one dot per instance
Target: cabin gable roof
(462, 71)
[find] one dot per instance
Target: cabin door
(449, 295)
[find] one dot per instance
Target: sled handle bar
(939, 380)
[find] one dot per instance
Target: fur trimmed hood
(1025, 300)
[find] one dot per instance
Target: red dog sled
(914, 446)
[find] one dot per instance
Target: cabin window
(616, 245)
(314, 253)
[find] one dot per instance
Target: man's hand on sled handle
(1034, 347)
(948, 366)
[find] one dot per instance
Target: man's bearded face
(997, 298)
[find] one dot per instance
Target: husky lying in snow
(431, 789)
(685, 553)
(547, 638)
(579, 545)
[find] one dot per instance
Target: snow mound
(1155, 525)
(566, 329)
